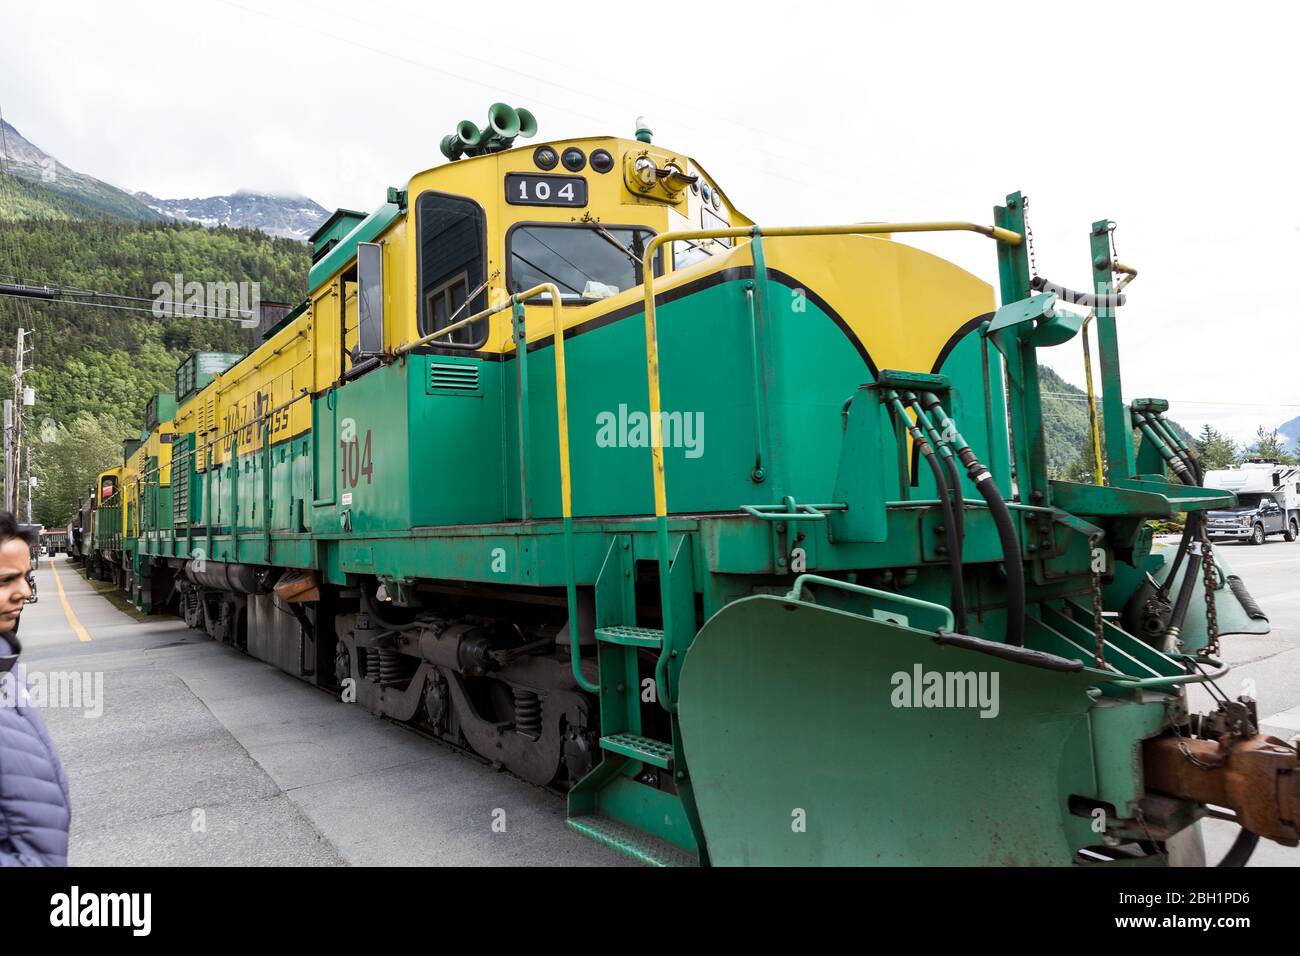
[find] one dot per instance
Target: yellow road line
(82, 634)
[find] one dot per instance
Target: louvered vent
(460, 378)
(181, 465)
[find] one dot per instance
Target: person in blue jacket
(34, 806)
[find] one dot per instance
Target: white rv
(1268, 502)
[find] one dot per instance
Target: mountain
(38, 186)
(59, 192)
(1065, 428)
(287, 217)
(1289, 431)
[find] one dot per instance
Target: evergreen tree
(1267, 444)
(1215, 449)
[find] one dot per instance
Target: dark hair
(10, 528)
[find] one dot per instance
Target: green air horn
(465, 140)
(504, 124)
(527, 123)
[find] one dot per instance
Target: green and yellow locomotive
(742, 536)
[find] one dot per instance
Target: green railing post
(1115, 420)
(1030, 457)
(207, 500)
(266, 485)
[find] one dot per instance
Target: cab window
(106, 490)
(585, 263)
(453, 267)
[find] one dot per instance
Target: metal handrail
(796, 594)
(652, 368)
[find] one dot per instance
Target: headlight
(646, 172)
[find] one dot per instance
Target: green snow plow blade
(816, 736)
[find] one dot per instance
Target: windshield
(586, 264)
(1250, 501)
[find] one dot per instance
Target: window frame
(579, 303)
(420, 321)
(460, 279)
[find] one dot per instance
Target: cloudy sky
(1179, 125)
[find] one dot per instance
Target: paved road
(201, 755)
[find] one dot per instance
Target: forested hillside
(94, 368)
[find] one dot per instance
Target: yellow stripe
(82, 634)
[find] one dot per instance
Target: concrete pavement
(201, 755)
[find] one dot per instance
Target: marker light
(544, 157)
(574, 159)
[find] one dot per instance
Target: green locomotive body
(742, 536)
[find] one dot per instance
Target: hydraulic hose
(1185, 452)
(988, 489)
(1171, 458)
(1242, 848)
(1189, 529)
(1179, 613)
(1086, 300)
(949, 461)
(958, 590)
(1192, 474)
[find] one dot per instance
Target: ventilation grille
(181, 489)
(458, 378)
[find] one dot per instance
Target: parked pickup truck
(1268, 502)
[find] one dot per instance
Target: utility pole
(9, 448)
(14, 471)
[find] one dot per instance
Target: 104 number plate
(531, 189)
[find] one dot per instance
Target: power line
(1079, 397)
(175, 309)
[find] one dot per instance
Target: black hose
(1242, 848)
(1021, 655)
(1179, 613)
(958, 599)
(1184, 542)
(954, 474)
(1085, 299)
(1010, 545)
